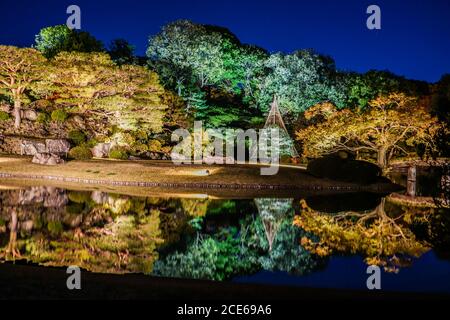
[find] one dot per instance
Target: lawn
(164, 175)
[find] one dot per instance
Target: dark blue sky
(414, 40)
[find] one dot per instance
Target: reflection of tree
(11, 251)
(433, 226)
(215, 257)
(247, 248)
(120, 235)
(272, 212)
(287, 254)
(382, 239)
(195, 207)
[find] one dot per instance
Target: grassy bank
(164, 174)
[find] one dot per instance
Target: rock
(57, 146)
(336, 168)
(5, 107)
(99, 197)
(48, 159)
(218, 160)
(57, 198)
(134, 158)
(30, 115)
(27, 225)
(79, 122)
(48, 196)
(32, 147)
(74, 221)
(101, 150)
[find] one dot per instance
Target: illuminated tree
(391, 124)
(53, 40)
(299, 80)
(118, 236)
(19, 68)
(127, 96)
(209, 68)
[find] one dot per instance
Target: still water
(315, 241)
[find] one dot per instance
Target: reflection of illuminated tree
(217, 257)
(272, 212)
(433, 226)
(382, 239)
(118, 236)
(286, 253)
(11, 251)
(232, 251)
(195, 207)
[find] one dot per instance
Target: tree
(19, 68)
(121, 52)
(53, 40)
(299, 80)
(128, 96)
(360, 88)
(440, 106)
(392, 124)
(209, 68)
(190, 48)
(76, 79)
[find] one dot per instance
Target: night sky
(414, 40)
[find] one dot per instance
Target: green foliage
(190, 58)
(20, 69)
(79, 197)
(210, 258)
(288, 255)
(53, 40)
(360, 89)
(299, 80)
(4, 116)
(43, 118)
(77, 137)
(118, 153)
(59, 115)
(80, 153)
(440, 106)
(121, 52)
(154, 146)
(55, 227)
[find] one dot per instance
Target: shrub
(92, 143)
(140, 147)
(118, 153)
(43, 118)
(339, 169)
(79, 196)
(55, 227)
(4, 116)
(80, 153)
(77, 137)
(59, 115)
(154, 146)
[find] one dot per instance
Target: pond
(314, 241)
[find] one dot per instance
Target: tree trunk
(381, 157)
(17, 115)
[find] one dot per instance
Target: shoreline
(166, 175)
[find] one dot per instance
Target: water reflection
(206, 238)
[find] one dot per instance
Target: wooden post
(411, 183)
